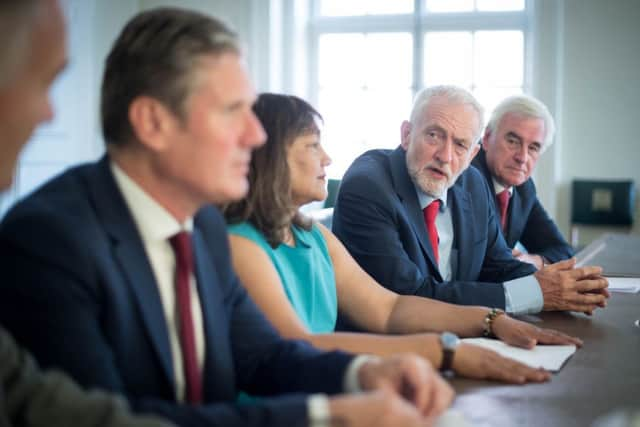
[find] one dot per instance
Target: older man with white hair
(519, 131)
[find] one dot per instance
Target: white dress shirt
(156, 226)
(522, 295)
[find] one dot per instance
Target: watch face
(449, 341)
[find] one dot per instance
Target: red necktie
(503, 204)
(430, 213)
(181, 244)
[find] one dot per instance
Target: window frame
(417, 24)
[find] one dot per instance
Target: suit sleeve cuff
(523, 296)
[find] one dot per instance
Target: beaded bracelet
(488, 321)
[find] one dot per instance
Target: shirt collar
(425, 200)
(499, 188)
(154, 222)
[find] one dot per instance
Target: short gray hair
(157, 54)
(453, 94)
(15, 17)
(526, 106)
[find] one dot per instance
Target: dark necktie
(430, 213)
(181, 244)
(503, 205)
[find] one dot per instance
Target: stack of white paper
(549, 357)
(624, 284)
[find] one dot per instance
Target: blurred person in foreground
(32, 53)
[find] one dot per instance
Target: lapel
(131, 257)
(211, 300)
(480, 162)
(464, 235)
(409, 199)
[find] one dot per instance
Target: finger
(510, 371)
(550, 336)
(567, 264)
(441, 398)
(418, 385)
(604, 292)
(581, 308)
(586, 298)
(522, 340)
(515, 252)
(427, 406)
(588, 285)
(585, 272)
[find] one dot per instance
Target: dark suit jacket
(79, 292)
(378, 218)
(31, 398)
(527, 221)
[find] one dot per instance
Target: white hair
(453, 94)
(526, 106)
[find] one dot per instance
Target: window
(368, 58)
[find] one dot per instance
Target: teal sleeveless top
(306, 272)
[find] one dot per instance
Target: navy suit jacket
(79, 292)
(378, 218)
(527, 221)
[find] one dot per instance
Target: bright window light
(448, 58)
(364, 92)
(499, 5)
(498, 58)
(365, 7)
(448, 6)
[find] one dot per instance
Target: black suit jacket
(80, 293)
(378, 218)
(527, 221)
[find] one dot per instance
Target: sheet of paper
(624, 284)
(549, 357)
(452, 418)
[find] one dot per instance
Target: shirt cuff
(351, 383)
(318, 410)
(523, 296)
(318, 404)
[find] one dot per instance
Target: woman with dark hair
(300, 274)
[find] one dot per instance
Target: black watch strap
(447, 360)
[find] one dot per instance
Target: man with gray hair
(421, 222)
(32, 53)
(519, 131)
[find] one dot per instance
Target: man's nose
(445, 151)
(521, 154)
(254, 134)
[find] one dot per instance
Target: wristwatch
(449, 343)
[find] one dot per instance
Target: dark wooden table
(602, 376)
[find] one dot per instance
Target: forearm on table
(416, 314)
(426, 345)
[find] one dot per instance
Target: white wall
(249, 18)
(600, 111)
